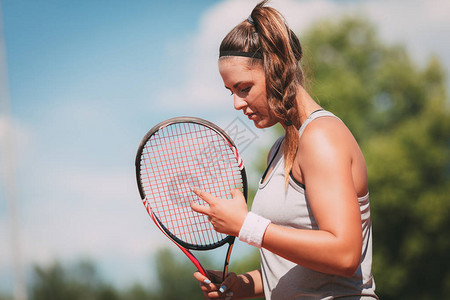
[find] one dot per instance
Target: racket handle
(227, 260)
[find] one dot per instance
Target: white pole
(9, 172)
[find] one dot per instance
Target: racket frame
(184, 246)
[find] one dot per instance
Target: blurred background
(81, 82)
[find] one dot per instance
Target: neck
(305, 104)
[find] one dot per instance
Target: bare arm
(326, 167)
(250, 285)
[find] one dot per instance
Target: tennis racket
(176, 155)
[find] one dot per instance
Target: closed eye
(229, 91)
(242, 91)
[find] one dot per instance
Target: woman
(310, 216)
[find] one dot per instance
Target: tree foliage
(175, 277)
(399, 113)
(82, 282)
(55, 282)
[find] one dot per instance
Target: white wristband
(253, 229)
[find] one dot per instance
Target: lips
(249, 114)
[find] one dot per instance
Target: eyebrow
(236, 84)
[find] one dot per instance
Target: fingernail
(223, 288)
(207, 281)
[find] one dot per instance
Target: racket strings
(181, 156)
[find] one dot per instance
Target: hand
(226, 215)
(223, 290)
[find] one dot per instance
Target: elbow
(349, 264)
(348, 259)
(349, 271)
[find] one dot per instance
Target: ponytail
(266, 32)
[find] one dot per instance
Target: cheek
(260, 100)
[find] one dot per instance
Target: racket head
(180, 153)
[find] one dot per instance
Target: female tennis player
(311, 215)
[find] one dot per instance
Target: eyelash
(246, 90)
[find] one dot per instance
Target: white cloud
(86, 211)
(423, 26)
(74, 212)
(15, 137)
(202, 86)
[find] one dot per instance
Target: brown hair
(266, 32)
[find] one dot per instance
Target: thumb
(230, 281)
(236, 193)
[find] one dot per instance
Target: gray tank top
(283, 279)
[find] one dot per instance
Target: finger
(218, 295)
(207, 197)
(228, 283)
(202, 278)
(205, 284)
(230, 280)
(200, 208)
(215, 295)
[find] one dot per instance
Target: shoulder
(325, 138)
(325, 129)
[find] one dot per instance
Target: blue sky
(87, 79)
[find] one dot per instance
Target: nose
(239, 103)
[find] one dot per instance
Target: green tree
(5, 297)
(175, 277)
(80, 282)
(400, 116)
(138, 292)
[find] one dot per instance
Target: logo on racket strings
(209, 164)
(179, 188)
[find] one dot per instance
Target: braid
(282, 52)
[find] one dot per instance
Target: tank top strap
(317, 114)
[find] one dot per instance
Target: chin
(260, 124)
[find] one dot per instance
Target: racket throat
(227, 260)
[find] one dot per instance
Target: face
(247, 84)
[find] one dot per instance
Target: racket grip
(227, 260)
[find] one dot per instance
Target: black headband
(250, 20)
(257, 55)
